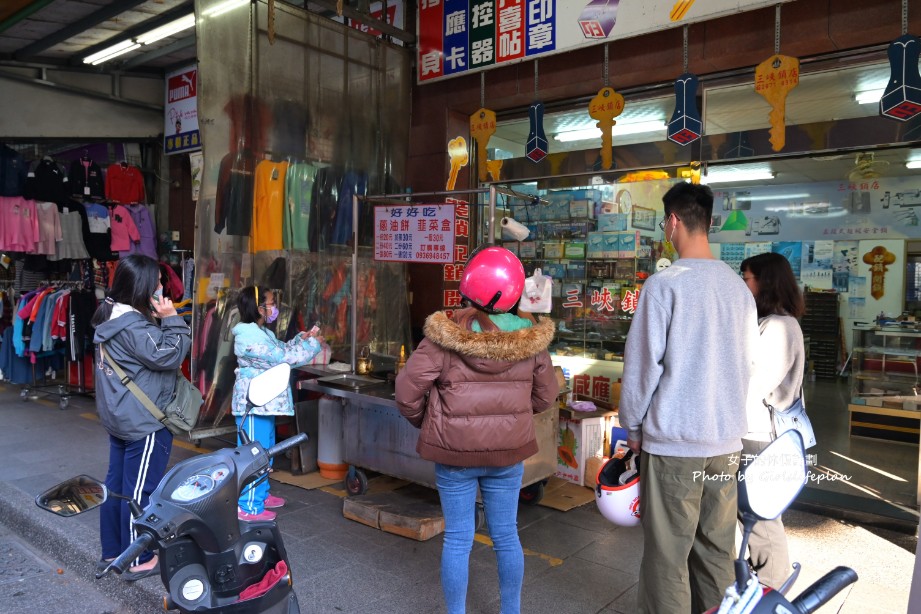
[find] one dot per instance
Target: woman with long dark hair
(136, 328)
(777, 381)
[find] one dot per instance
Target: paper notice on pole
(215, 283)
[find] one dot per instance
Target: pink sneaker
(265, 516)
(273, 503)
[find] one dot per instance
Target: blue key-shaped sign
(902, 97)
(684, 126)
(537, 147)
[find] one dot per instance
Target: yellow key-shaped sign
(603, 108)
(457, 154)
(482, 127)
(774, 78)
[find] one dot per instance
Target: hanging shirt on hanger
(18, 224)
(13, 171)
(125, 184)
(147, 244)
(85, 179)
(268, 205)
(49, 227)
(298, 199)
(97, 233)
(71, 244)
(124, 231)
(46, 181)
(233, 204)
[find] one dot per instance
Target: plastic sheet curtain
(324, 109)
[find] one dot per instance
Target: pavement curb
(73, 545)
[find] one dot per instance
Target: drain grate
(18, 562)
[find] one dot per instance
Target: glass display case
(598, 243)
(886, 393)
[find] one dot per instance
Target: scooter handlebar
(124, 560)
(823, 589)
(288, 443)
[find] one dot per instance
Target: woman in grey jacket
(150, 354)
(472, 387)
(777, 381)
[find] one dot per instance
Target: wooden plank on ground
(413, 511)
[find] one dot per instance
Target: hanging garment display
(85, 179)
(49, 228)
(18, 224)
(125, 184)
(147, 244)
(73, 222)
(124, 232)
(13, 171)
(46, 180)
(97, 233)
(233, 203)
(269, 205)
(353, 183)
(298, 200)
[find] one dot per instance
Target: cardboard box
(582, 436)
(553, 249)
(527, 249)
(612, 222)
(575, 250)
(575, 270)
(511, 246)
(594, 245)
(611, 245)
(555, 270)
(627, 244)
(582, 209)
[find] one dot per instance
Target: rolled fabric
(513, 230)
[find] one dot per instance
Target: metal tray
(350, 381)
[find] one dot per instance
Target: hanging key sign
(414, 233)
(902, 98)
(482, 127)
(603, 108)
(685, 127)
(774, 78)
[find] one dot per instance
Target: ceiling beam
(76, 91)
(24, 12)
(91, 20)
(385, 28)
(143, 58)
(142, 28)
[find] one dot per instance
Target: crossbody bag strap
(134, 388)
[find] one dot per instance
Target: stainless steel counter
(371, 394)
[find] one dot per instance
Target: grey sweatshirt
(688, 361)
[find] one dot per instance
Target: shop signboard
(461, 36)
(180, 133)
(414, 233)
(376, 11)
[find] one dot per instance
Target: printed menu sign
(414, 233)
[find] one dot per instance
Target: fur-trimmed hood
(510, 346)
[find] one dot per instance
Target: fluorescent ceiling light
(619, 129)
(736, 176)
(913, 164)
(110, 52)
(869, 97)
(223, 7)
(173, 27)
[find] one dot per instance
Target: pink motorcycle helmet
(493, 279)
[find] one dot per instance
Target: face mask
(272, 314)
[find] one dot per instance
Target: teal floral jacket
(257, 350)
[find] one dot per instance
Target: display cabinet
(886, 390)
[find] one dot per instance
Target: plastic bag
(536, 297)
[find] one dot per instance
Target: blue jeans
(499, 486)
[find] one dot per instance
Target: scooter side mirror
(770, 482)
(269, 384)
(74, 496)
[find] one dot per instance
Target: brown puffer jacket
(473, 394)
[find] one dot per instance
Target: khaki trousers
(688, 508)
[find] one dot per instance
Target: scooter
(767, 486)
(209, 560)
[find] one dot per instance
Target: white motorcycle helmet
(617, 490)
